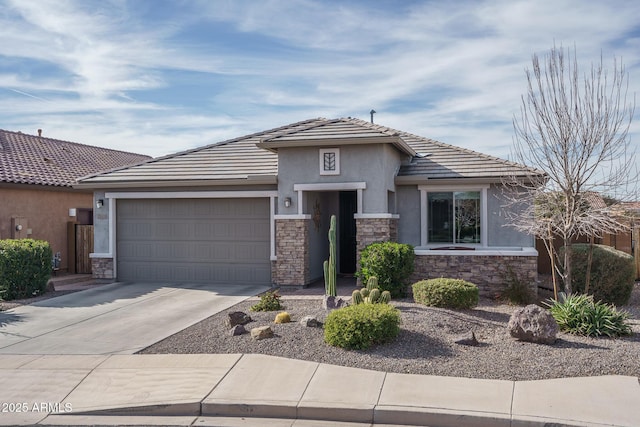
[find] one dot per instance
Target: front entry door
(347, 232)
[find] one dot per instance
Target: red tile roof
(29, 159)
(595, 200)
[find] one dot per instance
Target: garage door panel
(199, 240)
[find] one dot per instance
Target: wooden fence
(84, 246)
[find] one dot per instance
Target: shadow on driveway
(120, 291)
(7, 317)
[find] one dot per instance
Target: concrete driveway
(119, 318)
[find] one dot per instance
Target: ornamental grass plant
(579, 314)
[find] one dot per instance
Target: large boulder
(533, 324)
(330, 302)
(310, 322)
(237, 318)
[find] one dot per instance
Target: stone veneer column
(102, 268)
(371, 230)
(292, 252)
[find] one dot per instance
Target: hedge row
(25, 268)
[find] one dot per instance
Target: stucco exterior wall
(499, 234)
(46, 213)
(375, 164)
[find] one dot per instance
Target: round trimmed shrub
(446, 293)
(360, 326)
(612, 273)
(391, 263)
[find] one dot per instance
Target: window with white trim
(455, 217)
(330, 161)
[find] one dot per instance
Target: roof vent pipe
(39, 132)
(372, 112)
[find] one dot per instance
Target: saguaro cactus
(330, 273)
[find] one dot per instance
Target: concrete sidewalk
(251, 390)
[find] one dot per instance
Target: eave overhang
(274, 144)
(249, 180)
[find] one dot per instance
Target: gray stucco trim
(481, 252)
(190, 194)
(331, 186)
(376, 216)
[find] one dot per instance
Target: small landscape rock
(237, 330)
(331, 302)
(261, 332)
(467, 339)
(533, 324)
(50, 286)
(237, 318)
(309, 321)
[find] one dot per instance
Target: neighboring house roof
(594, 199)
(252, 157)
(29, 159)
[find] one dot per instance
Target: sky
(157, 77)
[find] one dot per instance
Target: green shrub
(25, 268)
(269, 301)
(446, 293)
(360, 326)
(390, 262)
(580, 315)
(612, 273)
(516, 289)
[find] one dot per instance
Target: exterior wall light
(99, 203)
(287, 202)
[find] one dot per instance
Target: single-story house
(37, 199)
(256, 208)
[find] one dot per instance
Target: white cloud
(115, 73)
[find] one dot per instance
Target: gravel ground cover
(426, 343)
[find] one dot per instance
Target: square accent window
(330, 161)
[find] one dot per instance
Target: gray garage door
(193, 240)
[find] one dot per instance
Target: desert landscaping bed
(426, 343)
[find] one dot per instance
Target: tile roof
(594, 199)
(244, 157)
(29, 159)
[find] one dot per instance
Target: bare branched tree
(574, 128)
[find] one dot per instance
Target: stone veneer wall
(292, 251)
(486, 271)
(371, 230)
(102, 268)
